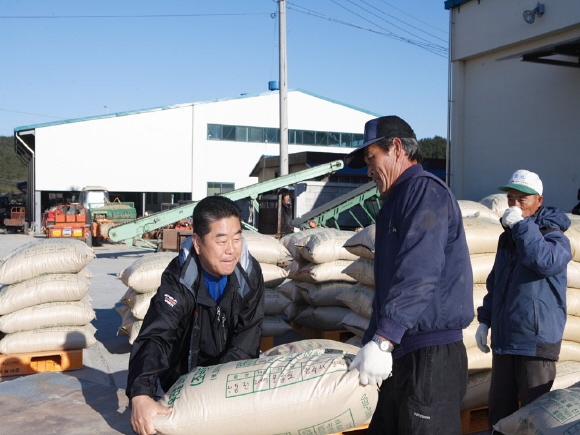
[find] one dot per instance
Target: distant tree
(12, 169)
(433, 148)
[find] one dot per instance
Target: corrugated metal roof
(176, 106)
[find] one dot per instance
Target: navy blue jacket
(525, 303)
(423, 276)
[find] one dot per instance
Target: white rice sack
(289, 240)
(316, 273)
(293, 309)
(496, 202)
(571, 329)
(43, 289)
(573, 301)
(573, 273)
(139, 302)
(322, 294)
(265, 249)
(355, 341)
(274, 302)
(570, 351)
(477, 395)
(45, 256)
(481, 265)
(362, 270)
(325, 246)
(306, 393)
(573, 233)
(473, 209)
(130, 325)
(55, 338)
(362, 243)
(273, 326)
(74, 313)
(303, 345)
(135, 329)
(554, 413)
(356, 323)
(273, 275)
(479, 292)
(469, 335)
(359, 298)
(290, 290)
(482, 235)
(323, 318)
(477, 360)
(144, 275)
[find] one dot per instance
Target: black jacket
(185, 328)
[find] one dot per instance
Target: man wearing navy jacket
(424, 289)
(525, 304)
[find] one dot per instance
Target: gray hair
(410, 146)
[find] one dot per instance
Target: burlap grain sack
(293, 309)
(362, 270)
(144, 275)
(42, 257)
(323, 294)
(481, 265)
(479, 292)
(316, 273)
(362, 243)
(273, 275)
(356, 323)
(359, 298)
(290, 290)
(573, 274)
(139, 302)
(322, 318)
(63, 287)
(305, 393)
(567, 374)
(472, 209)
(325, 246)
(274, 302)
(571, 330)
(56, 338)
(74, 313)
(265, 249)
(482, 235)
(274, 326)
(554, 413)
(477, 360)
(355, 341)
(303, 345)
(573, 233)
(573, 301)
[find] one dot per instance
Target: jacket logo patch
(171, 301)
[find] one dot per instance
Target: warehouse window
(241, 133)
(217, 188)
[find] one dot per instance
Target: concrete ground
(90, 400)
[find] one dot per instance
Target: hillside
(12, 170)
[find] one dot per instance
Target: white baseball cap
(524, 181)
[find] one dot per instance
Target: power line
(28, 113)
(20, 17)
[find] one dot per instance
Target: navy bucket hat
(375, 130)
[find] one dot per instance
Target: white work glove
(512, 216)
(481, 337)
(374, 364)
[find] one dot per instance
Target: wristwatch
(384, 345)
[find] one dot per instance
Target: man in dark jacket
(207, 311)
(424, 290)
(525, 304)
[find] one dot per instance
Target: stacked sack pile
(142, 278)
(271, 255)
(316, 277)
(44, 301)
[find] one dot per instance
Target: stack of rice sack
(142, 278)
(44, 301)
(269, 252)
(316, 277)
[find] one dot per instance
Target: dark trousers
(517, 378)
(423, 396)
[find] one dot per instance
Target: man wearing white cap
(525, 304)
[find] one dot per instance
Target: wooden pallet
(18, 364)
(474, 420)
(341, 335)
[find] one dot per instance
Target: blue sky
(71, 59)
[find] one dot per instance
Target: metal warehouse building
(180, 152)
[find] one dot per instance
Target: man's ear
(398, 146)
(196, 242)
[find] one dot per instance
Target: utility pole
(283, 91)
